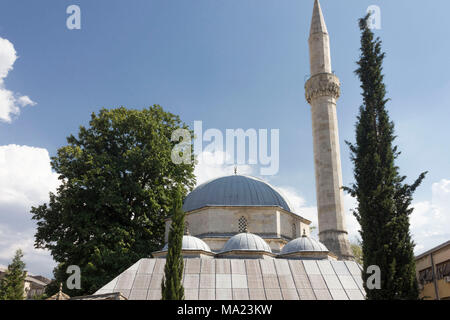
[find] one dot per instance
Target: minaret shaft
(322, 93)
(319, 58)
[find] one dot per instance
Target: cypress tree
(383, 198)
(13, 283)
(171, 286)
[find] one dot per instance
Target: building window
(425, 276)
(294, 231)
(243, 225)
(443, 270)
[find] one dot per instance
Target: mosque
(244, 242)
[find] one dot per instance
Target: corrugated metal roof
(234, 190)
(243, 279)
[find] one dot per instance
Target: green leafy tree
(171, 286)
(357, 251)
(383, 198)
(53, 287)
(42, 296)
(13, 283)
(117, 180)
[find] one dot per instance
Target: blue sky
(231, 64)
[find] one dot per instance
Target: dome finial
(235, 170)
(304, 233)
(60, 293)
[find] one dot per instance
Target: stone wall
(215, 225)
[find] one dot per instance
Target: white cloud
(24, 101)
(26, 179)
(26, 175)
(353, 226)
(300, 206)
(8, 56)
(38, 261)
(430, 220)
(10, 103)
(212, 165)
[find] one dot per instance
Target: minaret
(322, 92)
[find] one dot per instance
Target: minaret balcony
(322, 84)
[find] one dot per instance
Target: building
(243, 241)
(60, 295)
(34, 286)
(433, 273)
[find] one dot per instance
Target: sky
(230, 64)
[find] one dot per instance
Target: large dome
(234, 190)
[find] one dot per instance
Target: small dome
(304, 244)
(234, 190)
(246, 241)
(191, 243)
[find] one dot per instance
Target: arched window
(243, 225)
(186, 228)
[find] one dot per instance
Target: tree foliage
(117, 181)
(383, 198)
(171, 286)
(357, 251)
(13, 283)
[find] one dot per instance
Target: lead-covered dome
(191, 243)
(234, 190)
(246, 242)
(304, 244)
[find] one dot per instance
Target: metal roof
(304, 244)
(234, 190)
(245, 279)
(246, 241)
(426, 253)
(36, 281)
(191, 243)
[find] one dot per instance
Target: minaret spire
(319, 43)
(318, 22)
(322, 92)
